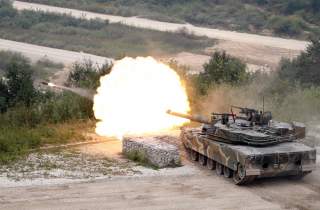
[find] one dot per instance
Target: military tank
(248, 145)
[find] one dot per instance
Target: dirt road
(289, 44)
(36, 52)
(202, 191)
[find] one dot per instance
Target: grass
(16, 142)
(94, 36)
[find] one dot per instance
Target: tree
(305, 68)
(20, 82)
(222, 68)
(4, 95)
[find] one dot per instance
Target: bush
(287, 25)
(87, 74)
(220, 69)
(27, 107)
(6, 10)
(20, 82)
(305, 68)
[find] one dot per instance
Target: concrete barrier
(156, 152)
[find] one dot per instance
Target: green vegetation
(43, 68)
(296, 18)
(92, 36)
(221, 69)
(305, 68)
(86, 75)
(18, 141)
(29, 117)
(291, 93)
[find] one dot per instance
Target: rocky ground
(77, 164)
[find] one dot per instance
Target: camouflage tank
(248, 146)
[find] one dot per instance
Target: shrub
(221, 68)
(20, 82)
(6, 10)
(287, 25)
(305, 68)
(87, 74)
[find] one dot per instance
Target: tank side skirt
(278, 163)
(213, 150)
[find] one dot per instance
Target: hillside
(96, 36)
(288, 18)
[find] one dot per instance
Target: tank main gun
(199, 119)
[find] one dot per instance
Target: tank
(248, 145)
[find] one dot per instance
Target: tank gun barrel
(199, 119)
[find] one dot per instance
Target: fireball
(134, 98)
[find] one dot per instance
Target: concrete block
(157, 152)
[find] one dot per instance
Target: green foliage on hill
(305, 68)
(296, 18)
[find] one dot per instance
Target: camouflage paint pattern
(290, 158)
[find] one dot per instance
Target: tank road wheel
(219, 169)
(227, 172)
(211, 164)
(202, 160)
(240, 178)
(194, 155)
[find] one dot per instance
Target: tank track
(238, 176)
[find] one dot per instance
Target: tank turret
(251, 127)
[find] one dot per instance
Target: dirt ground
(187, 187)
